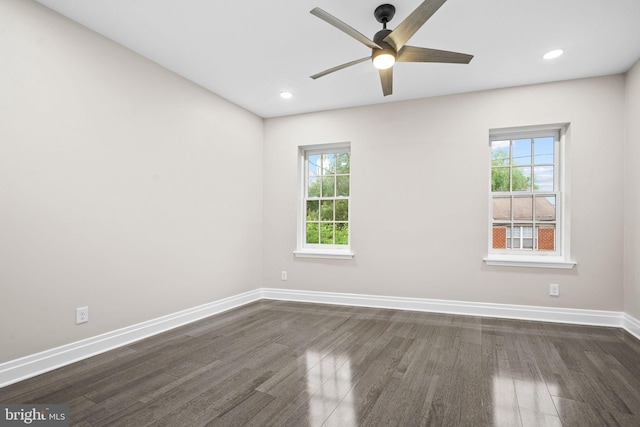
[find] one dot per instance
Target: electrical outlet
(554, 290)
(283, 275)
(82, 315)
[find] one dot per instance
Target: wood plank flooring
(274, 363)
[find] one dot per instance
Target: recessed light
(286, 95)
(553, 54)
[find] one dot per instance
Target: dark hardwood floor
(275, 363)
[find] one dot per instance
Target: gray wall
(123, 187)
(420, 178)
(632, 195)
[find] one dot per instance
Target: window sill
(324, 253)
(523, 261)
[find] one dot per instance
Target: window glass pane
(501, 234)
(328, 186)
(499, 179)
(523, 208)
(343, 186)
(515, 242)
(543, 178)
(546, 208)
(326, 211)
(312, 232)
(521, 179)
(342, 234)
(502, 208)
(314, 165)
(543, 150)
(343, 163)
(522, 237)
(326, 234)
(313, 210)
(328, 164)
(521, 152)
(546, 236)
(313, 188)
(500, 153)
(342, 210)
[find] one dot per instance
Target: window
(526, 218)
(324, 219)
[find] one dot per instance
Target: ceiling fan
(388, 46)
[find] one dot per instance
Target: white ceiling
(248, 51)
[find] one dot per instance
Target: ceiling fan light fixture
(383, 58)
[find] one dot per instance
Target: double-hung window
(526, 199)
(324, 221)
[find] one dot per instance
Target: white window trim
(314, 251)
(528, 261)
(562, 258)
(324, 253)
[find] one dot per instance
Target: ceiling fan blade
(344, 27)
(386, 78)
(423, 54)
(412, 23)
(340, 67)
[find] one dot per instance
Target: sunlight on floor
(330, 390)
(518, 402)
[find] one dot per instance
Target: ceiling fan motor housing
(387, 49)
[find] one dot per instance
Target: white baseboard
(35, 364)
(32, 365)
(508, 311)
(631, 325)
